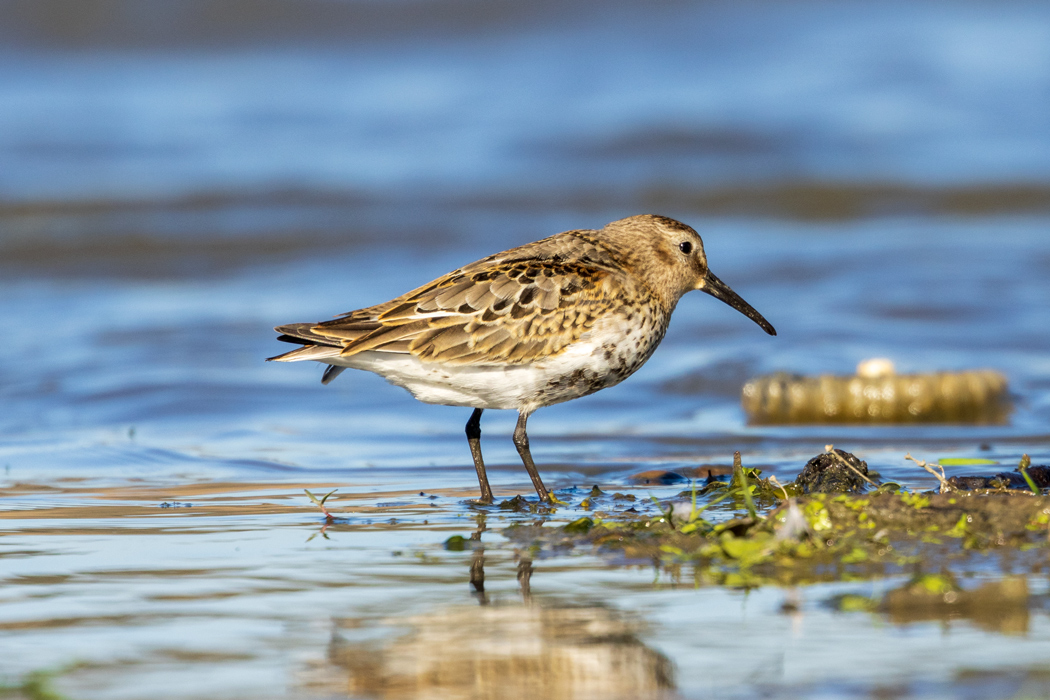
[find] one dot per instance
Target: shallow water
(872, 178)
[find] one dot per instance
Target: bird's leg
(477, 562)
(477, 575)
(524, 577)
(521, 441)
(474, 440)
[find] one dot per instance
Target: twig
(773, 480)
(928, 466)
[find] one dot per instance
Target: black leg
(477, 575)
(474, 440)
(524, 578)
(521, 441)
(477, 563)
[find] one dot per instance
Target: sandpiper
(529, 327)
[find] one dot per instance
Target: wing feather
(512, 308)
(504, 287)
(480, 296)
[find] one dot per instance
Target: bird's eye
(686, 247)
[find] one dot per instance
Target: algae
(769, 533)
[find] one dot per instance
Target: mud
(751, 531)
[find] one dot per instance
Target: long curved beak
(721, 291)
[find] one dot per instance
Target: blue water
(874, 178)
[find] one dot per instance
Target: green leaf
(965, 461)
(856, 603)
(456, 543)
(817, 516)
(694, 526)
(855, 556)
(1028, 480)
(743, 487)
(959, 529)
(319, 502)
(747, 550)
(936, 584)
(579, 527)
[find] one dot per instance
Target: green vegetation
(752, 530)
(35, 685)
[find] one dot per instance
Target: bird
(533, 326)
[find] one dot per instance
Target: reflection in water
(506, 651)
(869, 171)
(521, 650)
(995, 606)
(477, 562)
(525, 578)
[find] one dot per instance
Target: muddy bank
(836, 522)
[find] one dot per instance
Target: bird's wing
(502, 310)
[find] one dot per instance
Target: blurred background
(178, 176)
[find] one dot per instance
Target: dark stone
(516, 504)
(738, 526)
(969, 483)
(1040, 476)
(828, 473)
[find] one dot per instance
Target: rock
(828, 473)
(1040, 476)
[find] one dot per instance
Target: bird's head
(670, 256)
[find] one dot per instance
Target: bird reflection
(524, 578)
(497, 649)
(502, 651)
(477, 562)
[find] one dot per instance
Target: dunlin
(529, 327)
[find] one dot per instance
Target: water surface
(872, 178)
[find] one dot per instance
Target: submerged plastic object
(877, 395)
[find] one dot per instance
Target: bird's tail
(307, 352)
(321, 353)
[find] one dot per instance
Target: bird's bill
(721, 291)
